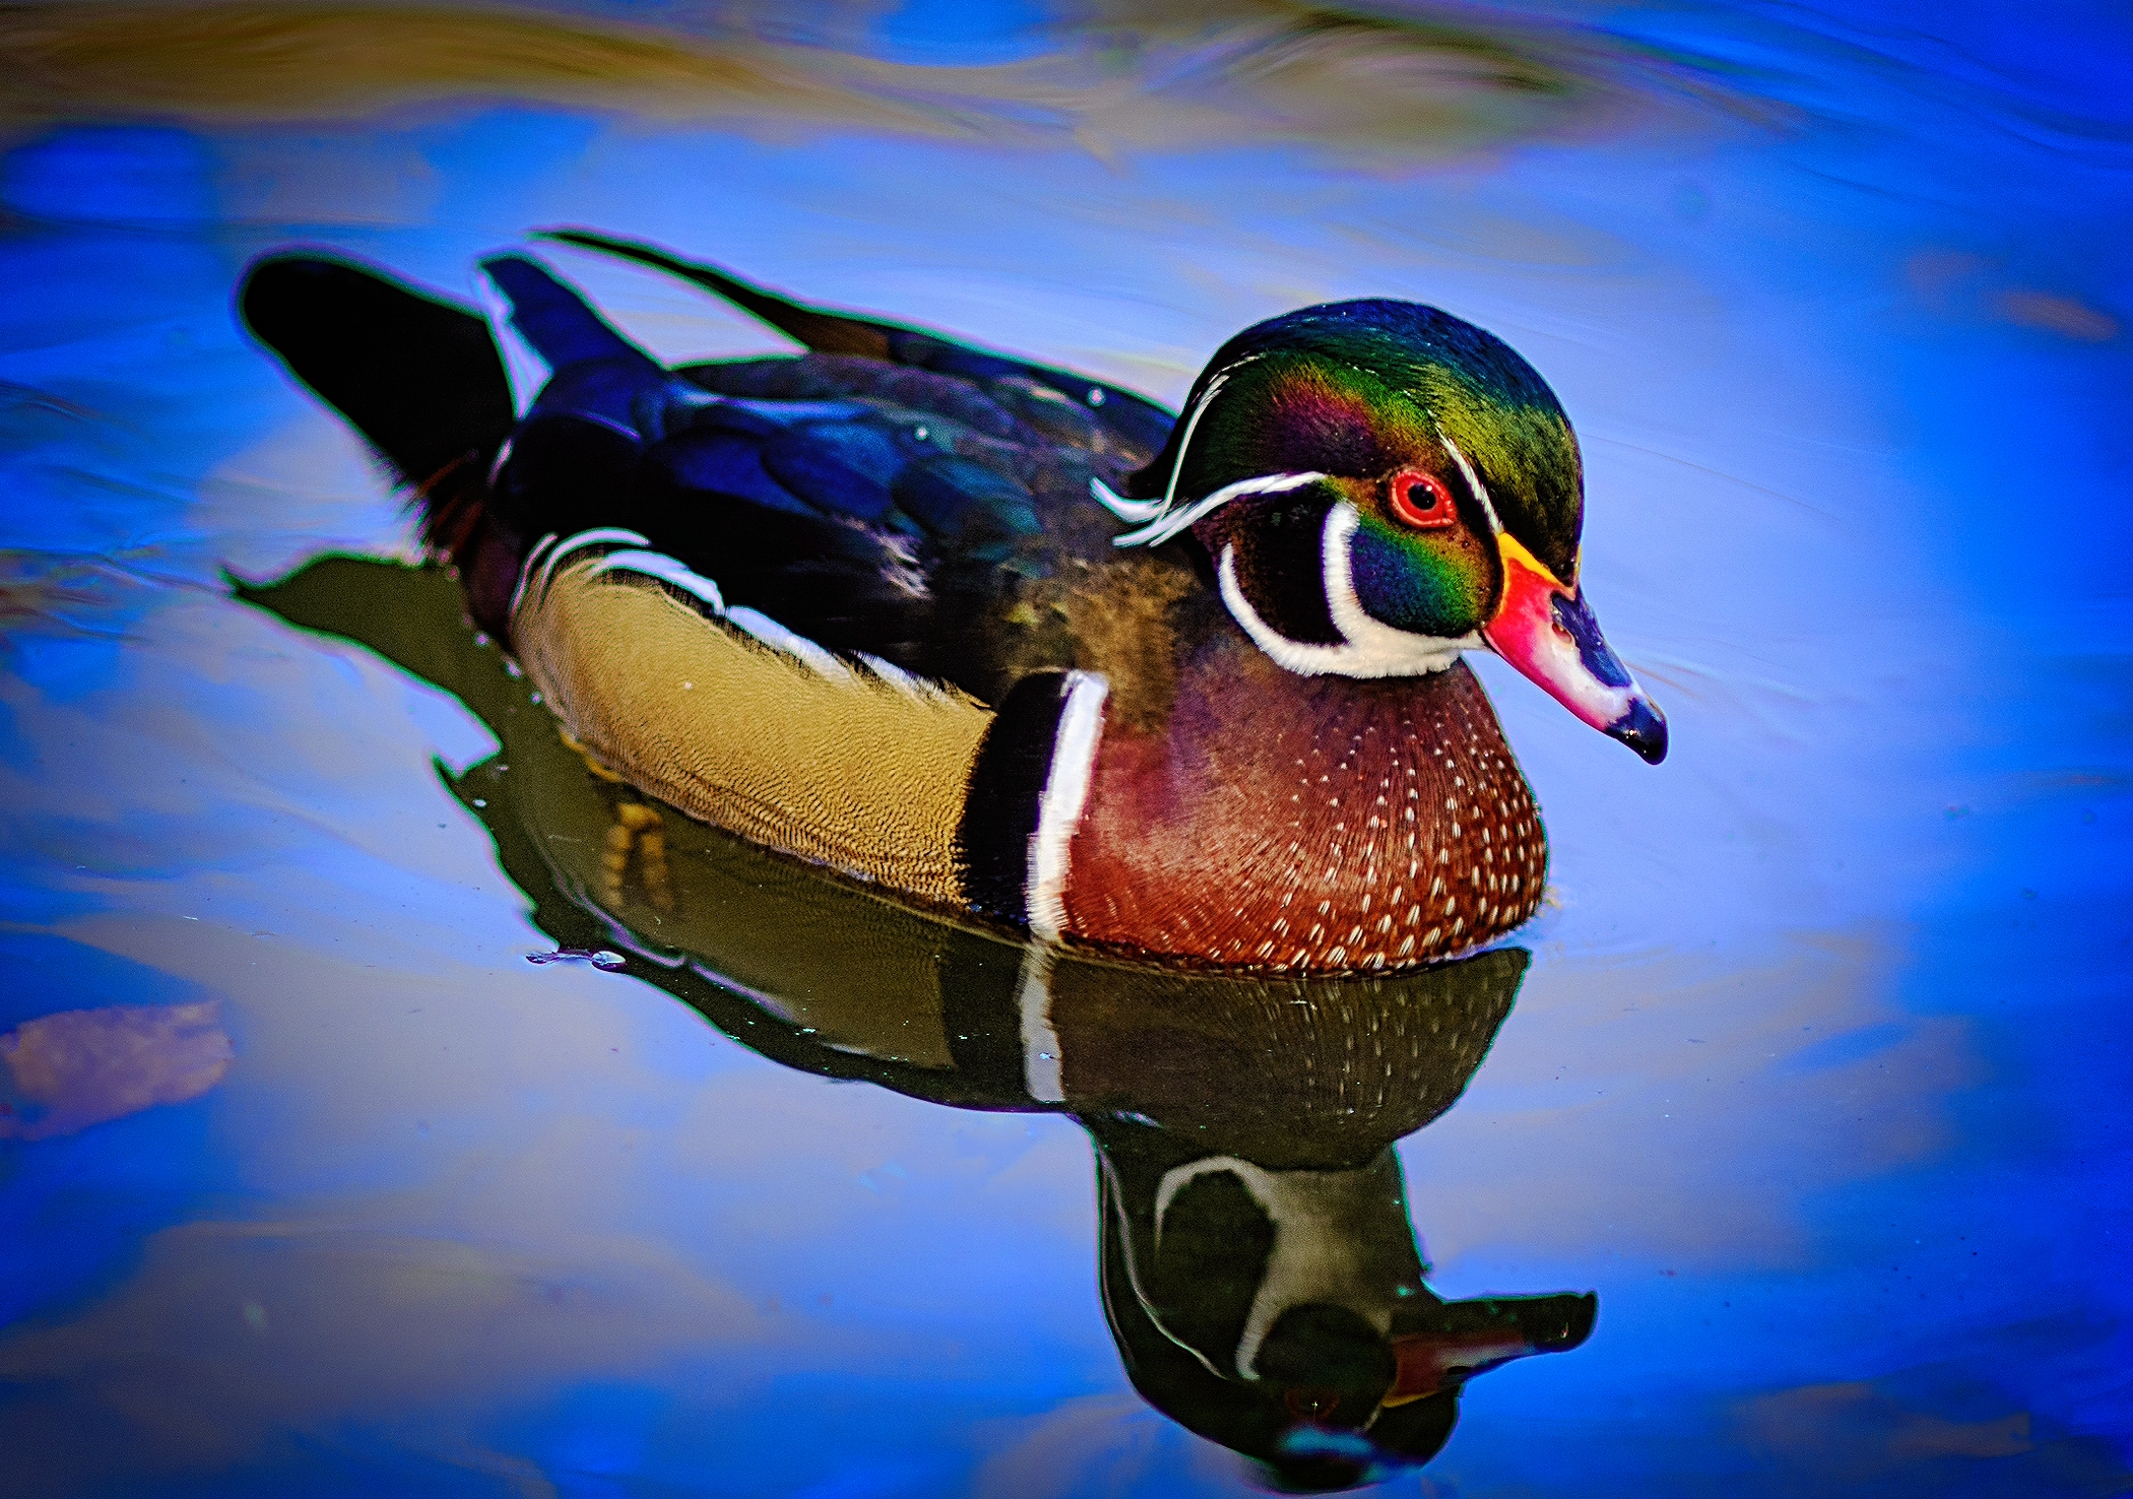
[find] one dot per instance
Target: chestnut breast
(1307, 822)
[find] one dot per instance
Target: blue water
(1818, 1076)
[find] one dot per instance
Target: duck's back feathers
(929, 508)
(872, 507)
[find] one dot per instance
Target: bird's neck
(1307, 822)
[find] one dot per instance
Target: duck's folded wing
(737, 721)
(830, 512)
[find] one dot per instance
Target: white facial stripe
(1481, 490)
(1066, 792)
(1150, 1306)
(1381, 651)
(1369, 647)
(1304, 660)
(1167, 526)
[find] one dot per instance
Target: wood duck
(1004, 640)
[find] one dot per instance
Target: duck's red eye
(1420, 500)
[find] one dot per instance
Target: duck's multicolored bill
(1545, 628)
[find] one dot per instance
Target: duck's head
(1381, 486)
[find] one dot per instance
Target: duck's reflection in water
(1258, 1266)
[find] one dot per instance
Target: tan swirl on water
(1118, 77)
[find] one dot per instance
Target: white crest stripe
(1132, 512)
(1481, 490)
(1177, 465)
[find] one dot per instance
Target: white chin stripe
(1368, 648)
(1066, 793)
(1481, 490)
(1166, 522)
(1308, 1264)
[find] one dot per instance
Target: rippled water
(1813, 1071)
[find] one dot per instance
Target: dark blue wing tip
(520, 275)
(554, 316)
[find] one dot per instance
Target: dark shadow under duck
(1005, 640)
(1256, 1261)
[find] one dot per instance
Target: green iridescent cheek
(1434, 585)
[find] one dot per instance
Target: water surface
(1814, 1077)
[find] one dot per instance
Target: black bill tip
(1643, 729)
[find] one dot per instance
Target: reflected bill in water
(1258, 1267)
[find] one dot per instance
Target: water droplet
(601, 958)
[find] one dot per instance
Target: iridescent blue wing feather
(829, 510)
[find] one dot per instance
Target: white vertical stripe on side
(1040, 1043)
(1066, 793)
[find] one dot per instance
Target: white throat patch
(1368, 648)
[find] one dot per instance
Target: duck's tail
(418, 377)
